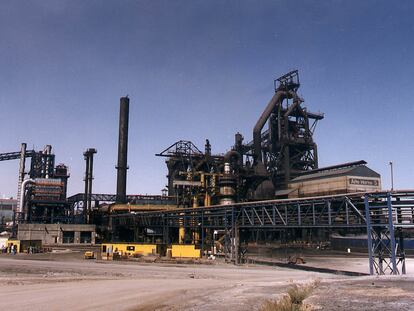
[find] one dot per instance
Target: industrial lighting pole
(392, 176)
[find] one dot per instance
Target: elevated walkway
(383, 214)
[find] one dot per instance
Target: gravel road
(62, 283)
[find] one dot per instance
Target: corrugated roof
(8, 201)
(360, 170)
(284, 192)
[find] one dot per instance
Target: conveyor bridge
(385, 216)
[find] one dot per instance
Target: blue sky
(201, 69)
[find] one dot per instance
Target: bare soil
(66, 282)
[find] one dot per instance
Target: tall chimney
(122, 151)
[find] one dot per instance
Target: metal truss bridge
(79, 198)
(386, 217)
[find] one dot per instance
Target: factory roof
(357, 170)
(8, 201)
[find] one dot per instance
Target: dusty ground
(65, 282)
(365, 293)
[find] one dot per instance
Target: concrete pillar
(77, 237)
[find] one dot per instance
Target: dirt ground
(67, 282)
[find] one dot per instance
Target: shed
(344, 178)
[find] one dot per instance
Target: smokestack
(122, 151)
(87, 201)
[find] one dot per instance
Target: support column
(392, 236)
(369, 236)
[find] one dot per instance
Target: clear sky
(202, 69)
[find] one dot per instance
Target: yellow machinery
(126, 249)
(13, 246)
(23, 246)
(206, 189)
(185, 251)
(89, 255)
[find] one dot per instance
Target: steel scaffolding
(370, 211)
(386, 215)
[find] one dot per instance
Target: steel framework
(386, 215)
(287, 148)
(76, 199)
(15, 155)
(354, 210)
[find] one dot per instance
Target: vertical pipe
(122, 150)
(90, 177)
(286, 165)
(21, 173)
(48, 165)
(202, 234)
(86, 195)
(87, 202)
(313, 214)
(402, 251)
(315, 156)
(170, 176)
(329, 213)
(347, 212)
(236, 245)
(369, 235)
(22, 201)
(233, 238)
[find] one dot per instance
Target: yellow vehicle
(89, 255)
(127, 249)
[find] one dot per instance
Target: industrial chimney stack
(122, 151)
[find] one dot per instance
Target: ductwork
(22, 195)
(233, 156)
(276, 100)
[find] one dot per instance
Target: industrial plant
(270, 190)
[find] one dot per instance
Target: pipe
(276, 100)
(88, 155)
(85, 199)
(47, 151)
(232, 157)
(24, 183)
(296, 102)
(90, 177)
(21, 172)
(122, 151)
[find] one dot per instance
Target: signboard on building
(363, 182)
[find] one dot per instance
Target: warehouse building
(7, 208)
(344, 178)
(56, 234)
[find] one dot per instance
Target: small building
(338, 179)
(57, 234)
(7, 208)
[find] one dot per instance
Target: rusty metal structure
(282, 149)
(122, 166)
(243, 193)
(286, 149)
(42, 195)
(386, 217)
(87, 203)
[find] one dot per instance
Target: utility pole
(392, 176)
